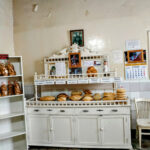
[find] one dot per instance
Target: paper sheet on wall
(88, 63)
(133, 45)
(117, 56)
(60, 69)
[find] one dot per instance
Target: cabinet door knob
(100, 110)
(114, 110)
(36, 110)
(49, 109)
(85, 111)
(101, 129)
(101, 115)
(62, 110)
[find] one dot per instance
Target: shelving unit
(12, 116)
(65, 123)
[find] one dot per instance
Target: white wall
(6, 27)
(110, 21)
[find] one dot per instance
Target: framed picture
(77, 36)
(135, 56)
(74, 60)
(75, 71)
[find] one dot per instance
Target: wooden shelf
(11, 134)
(6, 116)
(10, 76)
(10, 96)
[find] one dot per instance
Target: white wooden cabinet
(86, 127)
(87, 130)
(38, 129)
(61, 128)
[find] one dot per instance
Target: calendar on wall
(135, 65)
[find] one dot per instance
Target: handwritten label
(45, 82)
(94, 80)
(107, 80)
(60, 82)
(83, 81)
(117, 79)
(72, 81)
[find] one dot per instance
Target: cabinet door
(87, 130)
(113, 130)
(62, 129)
(38, 131)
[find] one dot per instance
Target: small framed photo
(75, 71)
(74, 60)
(77, 36)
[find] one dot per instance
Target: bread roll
(87, 98)
(47, 98)
(97, 96)
(87, 91)
(62, 99)
(62, 95)
(75, 97)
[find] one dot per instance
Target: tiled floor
(145, 146)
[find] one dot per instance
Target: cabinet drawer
(56, 111)
(98, 111)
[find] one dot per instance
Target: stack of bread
(121, 94)
(91, 71)
(87, 95)
(76, 95)
(109, 96)
(47, 98)
(62, 97)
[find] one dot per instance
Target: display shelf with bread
(12, 116)
(74, 93)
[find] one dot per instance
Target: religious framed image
(77, 36)
(135, 56)
(74, 60)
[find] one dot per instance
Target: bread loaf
(47, 98)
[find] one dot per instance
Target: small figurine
(17, 88)
(105, 67)
(11, 70)
(4, 89)
(3, 70)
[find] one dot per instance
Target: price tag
(94, 80)
(72, 81)
(39, 82)
(47, 82)
(117, 79)
(106, 80)
(83, 81)
(60, 82)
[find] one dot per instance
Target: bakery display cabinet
(12, 116)
(78, 106)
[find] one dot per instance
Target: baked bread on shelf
(91, 71)
(109, 96)
(97, 96)
(121, 94)
(87, 98)
(76, 93)
(75, 97)
(47, 98)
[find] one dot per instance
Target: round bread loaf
(61, 98)
(87, 98)
(47, 98)
(75, 97)
(121, 90)
(97, 96)
(87, 91)
(62, 95)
